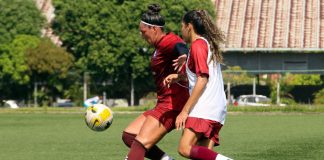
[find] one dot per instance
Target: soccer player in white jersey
(204, 113)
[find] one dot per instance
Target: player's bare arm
(173, 78)
(196, 93)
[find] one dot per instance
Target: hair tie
(153, 25)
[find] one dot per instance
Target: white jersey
(211, 104)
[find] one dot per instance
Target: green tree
(20, 27)
(19, 17)
(49, 60)
(303, 79)
(13, 65)
(289, 81)
(50, 64)
(319, 97)
(104, 37)
(237, 76)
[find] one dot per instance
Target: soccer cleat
(166, 157)
(221, 157)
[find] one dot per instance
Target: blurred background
(61, 52)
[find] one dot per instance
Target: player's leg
(206, 132)
(188, 146)
(207, 143)
(131, 132)
(151, 133)
(188, 139)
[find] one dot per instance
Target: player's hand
(181, 120)
(170, 79)
(179, 62)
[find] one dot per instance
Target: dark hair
(204, 26)
(152, 15)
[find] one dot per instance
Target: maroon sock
(155, 153)
(128, 138)
(202, 153)
(137, 151)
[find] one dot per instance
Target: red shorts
(208, 128)
(165, 116)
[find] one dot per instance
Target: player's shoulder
(199, 42)
(199, 45)
(174, 38)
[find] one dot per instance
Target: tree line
(101, 43)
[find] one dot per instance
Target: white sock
(166, 157)
(221, 157)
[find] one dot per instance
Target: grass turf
(39, 136)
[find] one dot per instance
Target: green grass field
(246, 136)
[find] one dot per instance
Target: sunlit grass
(39, 136)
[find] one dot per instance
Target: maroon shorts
(210, 129)
(165, 116)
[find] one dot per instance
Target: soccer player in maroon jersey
(148, 129)
(204, 113)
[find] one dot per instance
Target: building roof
(267, 25)
(47, 9)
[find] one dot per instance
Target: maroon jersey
(165, 52)
(197, 62)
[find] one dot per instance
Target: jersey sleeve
(199, 55)
(181, 49)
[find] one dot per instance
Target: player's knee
(184, 150)
(147, 143)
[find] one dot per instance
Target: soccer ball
(98, 117)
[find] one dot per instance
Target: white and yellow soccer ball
(98, 117)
